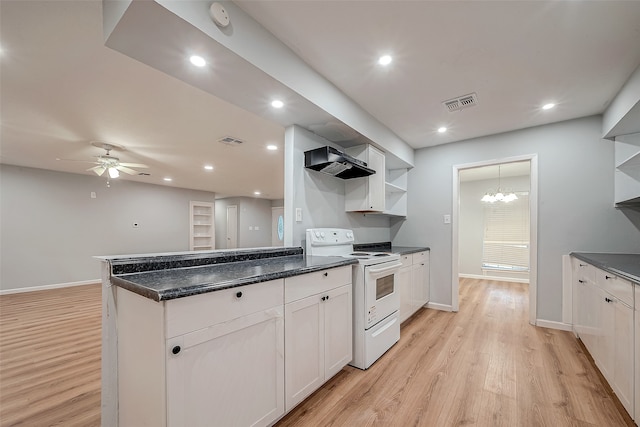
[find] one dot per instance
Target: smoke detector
(461, 102)
(229, 140)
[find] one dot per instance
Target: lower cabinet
(413, 282)
(604, 321)
(637, 354)
(318, 331)
(224, 358)
(213, 371)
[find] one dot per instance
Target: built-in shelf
(627, 172)
(391, 188)
(201, 228)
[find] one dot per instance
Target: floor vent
(229, 140)
(461, 102)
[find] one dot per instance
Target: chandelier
(498, 195)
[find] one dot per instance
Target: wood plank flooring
(483, 366)
(50, 357)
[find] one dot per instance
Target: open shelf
(201, 228)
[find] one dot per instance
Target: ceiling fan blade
(99, 170)
(126, 170)
(134, 165)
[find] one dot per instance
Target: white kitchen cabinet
(603, 316)
(405, 284)
(191, 361)
(366, 194)
(420, 279)
(413, 282)
(318, 330)
(637, 354)
(201, 226)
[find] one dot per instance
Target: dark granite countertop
(161, 285)
(623, 265)
(405, 250)
(388, 247)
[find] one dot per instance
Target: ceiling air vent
(461, 102)
(229, 140)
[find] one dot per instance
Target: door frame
(533, 220)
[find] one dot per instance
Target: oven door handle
(387, 268)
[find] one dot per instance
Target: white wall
(320, 196)
(471, 220)
(252, 212)
(575, 210)
(51, 227)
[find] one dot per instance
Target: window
(506, 235)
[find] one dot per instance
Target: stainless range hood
(336, 163)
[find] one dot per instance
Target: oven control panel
(329, 236)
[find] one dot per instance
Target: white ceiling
(502, 170)
(515, 55)
(62, 88)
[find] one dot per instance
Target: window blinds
(506, 235)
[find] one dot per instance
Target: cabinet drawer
(184, 315)
(616, 286)
(406, 260)
(304, 285)
(583, 271)
(420, 257)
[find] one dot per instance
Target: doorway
(497, 254)
(277, 226)
(232, 227)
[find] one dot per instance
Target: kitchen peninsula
(188, 336)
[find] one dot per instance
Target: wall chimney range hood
(336, 163)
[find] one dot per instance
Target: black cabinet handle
(580, 281)
(608, 300)
(583, 265)
(326, 274)
(323, 298)
(238, 294)
(176, 349)
(327, 296)
(608, 277)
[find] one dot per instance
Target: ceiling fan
(112, 165)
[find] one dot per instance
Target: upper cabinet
(627, 173)
(383, 192)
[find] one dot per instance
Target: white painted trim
(441, 307)
(553, 325)
(494, 278)
(533, 223)
(47, 287)
(567, 290)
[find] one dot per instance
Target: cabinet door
(338, 336)
(592, 319)
(405, 285)
(376, 188)
(637, 353)
(623, 363)
(210, 373)
(606, 335)
(304, 348)
(420, 285)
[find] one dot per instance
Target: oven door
(382, 296)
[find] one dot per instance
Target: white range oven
(376, 297)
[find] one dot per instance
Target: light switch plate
(447, 219)
(298, 214)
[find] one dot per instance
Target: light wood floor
(50, 357)
(483, 366)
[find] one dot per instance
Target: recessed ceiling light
(385, 60)
(442, 129)
(548, 106)
(208, 167)
(168, 179)
(276, 103)
(257, 193)
(198, 61)
(272, 147)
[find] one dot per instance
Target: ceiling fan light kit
(498, 195)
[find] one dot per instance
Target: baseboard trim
(441, 307)
(48, 287)
(494, 278)
(553, 325)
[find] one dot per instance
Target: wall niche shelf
(201, 229)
